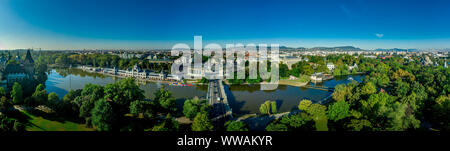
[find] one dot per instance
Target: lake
(243, 99)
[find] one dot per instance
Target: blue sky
(135, 24)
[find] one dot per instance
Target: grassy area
(297, 83)
(300, 81)
(41, 124)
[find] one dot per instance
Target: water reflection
(243, 99)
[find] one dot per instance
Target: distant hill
(340, 48)
(396, 49)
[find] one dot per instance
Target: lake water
(243, 99)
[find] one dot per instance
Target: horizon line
(147, 49)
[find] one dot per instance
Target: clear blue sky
(131, 24)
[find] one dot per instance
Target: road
(216, 99)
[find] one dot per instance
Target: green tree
(295, 121)
(381, 80)
(53, 99)
(268, 107)
(5, 104)
(165, 100)
(382, 68)
(341, 92)
(40, 87)
(401, 88)
(142, 107)
(358, 122)
(411, 102)
(86, 101)
(273, 107)
(40, 69)
(122, 93)
(62, 60)
(338, 110)
(102, 116)
(17, 93)
(322, 68)
(376, 105)
(420, 92)
(193, 106)
(169, 124)
(307, 69)
(168, 104)
(316, 112)
(283, 70)
(10, 125)
(276, 127)
(304, 105)
(399, 120)
(202, 123)
(442, 99)
(368, 89)
(441, 114)
(236, 126)
(71, 95)
(2, 92)
(39, 96)
(67, 104)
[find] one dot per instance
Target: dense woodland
(396, 95)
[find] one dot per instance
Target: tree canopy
(202, 123)
(102, 116)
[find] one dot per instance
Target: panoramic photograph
(77, 67)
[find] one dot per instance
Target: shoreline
(119, 76)
(280, 82)
(286, 82)
(292, 83)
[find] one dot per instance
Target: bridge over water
(218, 99)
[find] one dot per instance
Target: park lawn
(41, 124)
(296, 83)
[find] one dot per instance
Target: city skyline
(60, 25)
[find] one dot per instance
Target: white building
(292, 77)
(330, 66)
(290, 60)
(317, 77)
(353, 67)
(152, 57)
(370, 56)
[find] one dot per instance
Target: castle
(17, 70)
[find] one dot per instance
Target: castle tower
(28, 63)
(9, 55)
